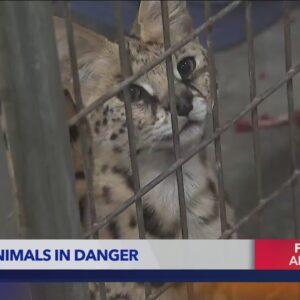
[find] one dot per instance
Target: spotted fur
(99, 70)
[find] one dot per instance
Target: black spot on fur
(121, 130)
(104, 122)
(106, 190)
(106, 193)
(97, 126)
(153, 225)
(119, 77)
(129, 181)
(125, 174)
(104, 168)
(74, 133)
(119, 170)
(132, 222)
(105, 111)
(81, 207)
(113, 136)
(79, 175)
(117, 149)
(114, 229)
(151, 43)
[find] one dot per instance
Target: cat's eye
(135, 92)
(186, 67)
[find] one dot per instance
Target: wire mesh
(254, 112)
(38, 137)
(89, 210)
(89, 216)
(290, 100)
(129, 121)
(126, 71)
(216, 119)
(117, 89)
(93, 225)
(175, 130)
(188, 155)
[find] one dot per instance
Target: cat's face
(149, 94)
(150, 99)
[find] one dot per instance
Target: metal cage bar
(125, 68)
(8, 209)
(22, 19)
(290, 102)
(262, 204)
(38, 136)
(131, 79)
(126, 71)
(145, 189)
(89, 209)
(216, 119)
(254, 112)
(175, 130)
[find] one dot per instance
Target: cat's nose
(184, 104)
(184, 108)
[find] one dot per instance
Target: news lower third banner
(150, 260)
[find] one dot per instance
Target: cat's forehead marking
(148, 88)
(140, 50)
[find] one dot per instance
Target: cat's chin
(191, 134)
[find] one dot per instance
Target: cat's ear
(85, 39)
(150, 20)
(96, 55)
